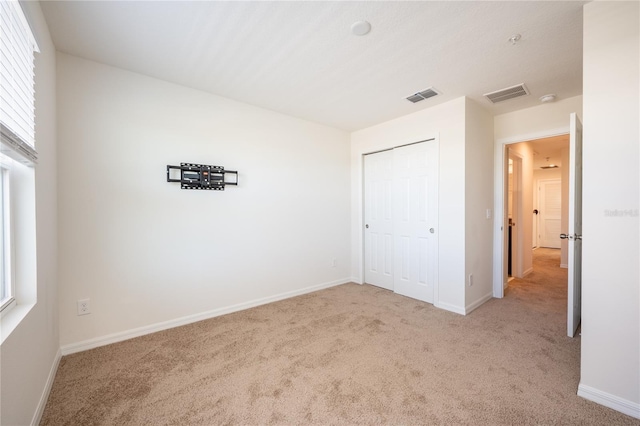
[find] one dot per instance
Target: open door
(575, 226)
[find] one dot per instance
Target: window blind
(17, 108)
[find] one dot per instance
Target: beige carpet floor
(350, 354)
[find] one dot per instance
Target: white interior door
(550, 212)
(574, 299)
(415, 220)
(378, 219)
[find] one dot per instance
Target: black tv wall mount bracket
(201, 176)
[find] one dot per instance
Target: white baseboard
(37, 416)
(449, 307)
(564, 265)
(153, 328)
(469, 308)
(624, 406)
(527, 272)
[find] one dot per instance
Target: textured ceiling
(299, 58)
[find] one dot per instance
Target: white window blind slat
(17, 109)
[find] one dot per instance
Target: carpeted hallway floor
(346, 355)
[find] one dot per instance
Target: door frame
(517, 237)
(358, 240)
(500, 157)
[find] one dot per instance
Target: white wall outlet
(334, 262)
(470, 280)
(83, 307)
(489, 213)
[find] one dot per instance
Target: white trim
(434, 137)
(470, 308)
(12, 318)
(535, 135)
(527, 272)
(564, 265)
(357, 217)
(624, 406)
(449, 307)
(22, 17)
(153, 328)
(498, 197)
(517, 212)
(37, 416)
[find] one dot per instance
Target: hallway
(545, 288)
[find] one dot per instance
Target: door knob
(432, 230)
(564, 237)
(367, 226)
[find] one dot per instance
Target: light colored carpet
(347, 355)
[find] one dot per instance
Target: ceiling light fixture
(360, 28)
(549, 166)
(547, 98)
(515, 39)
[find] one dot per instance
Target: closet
(401, 219)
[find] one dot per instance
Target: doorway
(573, 233)
(535, 201)
(401, 217)
(548, 199)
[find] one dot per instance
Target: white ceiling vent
(506, 94)
(422, 95)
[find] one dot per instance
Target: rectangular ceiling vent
(506, 94)
(422, 95)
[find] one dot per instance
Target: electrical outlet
(470, 280)
(83, 307)
(334, 262)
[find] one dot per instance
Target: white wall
(447, 122)
(536, 122)
(30, 354)
(519, 126)
(478, 199)
(610, 363)
(150, 255)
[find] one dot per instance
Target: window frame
(7, 282)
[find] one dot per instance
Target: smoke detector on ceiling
(360, 28)
(422, 95)
(506, 94)
(547, 98)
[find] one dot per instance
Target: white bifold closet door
(378, 216)
(401, 215)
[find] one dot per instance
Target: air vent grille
(506, 94)
(422, 95)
